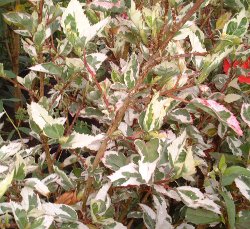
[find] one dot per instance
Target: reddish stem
(93, 75)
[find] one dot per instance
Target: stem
(45, 144)
(40, 54)
(13, 124)
(93, 75)
(121, 112)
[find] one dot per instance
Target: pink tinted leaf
(221, 112)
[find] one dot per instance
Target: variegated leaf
(223, 114)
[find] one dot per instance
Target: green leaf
(243, 184)
(5, 183)
(53, 131)
(230, 206)
(66, 182)
(233, 172)
(222, 20)
(243, 219)
(149, 157)
(131, 72)
(49, 68)
(181, 115)
(201, 216)
(20, 215)
(39, 36)
(237, 26)
(152, 119)
(19, 19)
(76, 25)
(20, 168)
(5, 2)
(245, 113)
(114, 160)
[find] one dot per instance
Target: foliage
(132, 114)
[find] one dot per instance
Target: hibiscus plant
(127, 114)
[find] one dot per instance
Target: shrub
(130, 114)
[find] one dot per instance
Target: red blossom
(245, 65)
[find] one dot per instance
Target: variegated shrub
(127, 119)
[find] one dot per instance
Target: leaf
(37, 185)
(131, 71)
(20, 168)
(19, 19)
(7, 151)
(245, 113)
(61, 211)
(230, 98)
(243, 219)
(243, 184)
(76, 25)
(42, 222)
(95, 60)
(30, 200)
(68, 198)
(194, 198)
(237, 26)
(49, 68)
(149, 157)
(176, 147)
(53, 131)
(234, 144)
(5, 2)
(230, 206)
(20, 215)
(5, 183)
(126, 175)
(105, 5)
(222, 20)
(149, 216)
(114, 160)
(66, 182)
(233, 172)
(41, 117)
(76, 140)
(181, 115)
(201, 216)
(152, 119)
(223, 114)
(163, 219)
